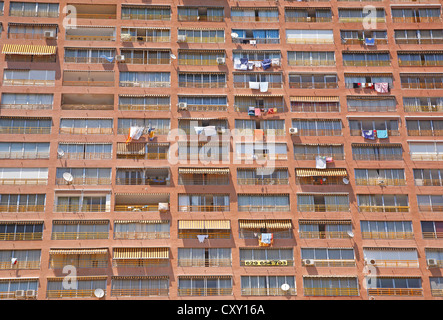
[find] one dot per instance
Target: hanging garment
(370, 85)
(254, 85)
(134, 133)
(199, 130)
(210, 131)
(237, 64)
(329, 159)
(251, 111)
(109, 59)
(151, 134)
(259, 134)
(275, 62)
(257, 112)
(381, 87)
(382, 134)
(244, 61)
(356, 85)
(266, 63)
(264, 86)
(202, 237)
(257, 64)
(369, 41)
(368, 134)
(266, 238)
(250, 65)
(320, 162)
(272, 110)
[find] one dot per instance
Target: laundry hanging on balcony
(266, 239)
(135, 133)
(241, 64)
(151, 132)
(254, 85)
(264, 86)
(382, 134)
(109, 59)
(368, 134)
(320, 162)
(382, 87)
(201, 237)
(266, 63)
(369, 41)
(210, 131)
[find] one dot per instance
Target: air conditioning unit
(308, 262)
(182, 106)
(30, 294)
(181, 38)
(293, 130)
(221, 60)
(432, 262)
(49, 34)
(371, 262)
(20, 294)
(120, 57)
(163, 206)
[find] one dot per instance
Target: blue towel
(110, 59)
(370, 41)
(382, 134)
(266, 64)
(368, 134)
(244, 60)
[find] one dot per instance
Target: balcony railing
(324, 234)
(205, 292)
(258, 41)
(80, 293)
(366, 63)
(383, 208)
(419, 41)
(395, 292)
(434, 108)
(134, 263)
(397, 263)
(323, 207)
(204, 262)
(262, 182)
(387, 235)
(80, 208)
(426, 157)
(146, 39)
(377, 157)
(182, 17)
(89, 38)
(319, 132)
(309, 41)
(142, 182)
(313, 85)
(26, 106)
(25, 130)
(312, 156)
(83, 180)
(145, 84)
(86, 60)
(330, 291)
(333, 263)
(407, 63)
(253, 19)
(415, 19)
(96, 15)
(6, 265)
(262, 208)
(281, 156)
(23, 181)
(28, 82)
(204, 208)
(142, 292)
(308, 19)
(318, 181)
(205, 39)
(423, 85)
(358, 132)
(79, 263)
(202, 85)
(79, 235)
(358, 19)
(376, 182)
(268, 292)
(21, 236)
(22, 208)
(27, 36)
(87, 155)
(135, 207)
(212, 234)
(86, 131)
(129, 235)
(362, 41)
(435, 132)
(311, 63)
(386, 108)
(147, 16)
(140, 107)
(88, 83)
(147, 60)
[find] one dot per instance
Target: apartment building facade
(287, 149)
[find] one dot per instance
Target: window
(386, 229)
(311, 58)
(154, 13)
(122, 286)
(145, 35)
(371, 104)
(368, 59)
(309, 36)
(85, 175)
(391, 257)
(313, 81)
(357, 15)
(258, 176)
(432, 229)
(20, 176)
(202, 80)
(26, 101)
(424, 127)
(201, 257)
(379, 152)
(428, 177)
(398, 286)
(202, 36)
(145, 79)
(373, 177)
(143, 229)
(426, 151)
(85, 287)
(423, 104)
(318, 127)
(28, 77)
(325, 229)
(8, 287)
(83, 229)
(266, 257)
(263, 203)
(212, 14)
(329, 257)
(330, 286)
(322, 202)
(311, 151)
(260, 36)
(203, 202)
(31, 230)
(24, 150)
(30, 9)
(90, 151)
(26, 259)
(204, 286)
(267, 285)
(430, 203)
(22, 202)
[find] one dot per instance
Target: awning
(389, 249)
(140, 221)
(265, 224)
(21, 222)
(141, 253)
(27, 49)
(139, 277)
(204, 224)
(58, 222)
(314, 99)
(203, 170)
(310, 172)
(381, 145)
(82, 278)
(77, 251)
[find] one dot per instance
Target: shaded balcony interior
(146, 202)
(143, 176)
(94, 11)
(88, 78)
(83, 33)
(318, 177)
(203, 176)
(78, 101)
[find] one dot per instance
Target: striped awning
(265, 224)
(389, 249)
(314, 99)
(254, 8)
(310, 172)
(82, 278)
(141, 253)
(205, 277)
(141, 221)
(58, 222)
(27, 49)
(139, 277)
(77, 251)
(381, 145)
(203, 170)
(21, 222)
(204, 224)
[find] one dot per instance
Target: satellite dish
(99, 293)
(234, 35)
(345, 180)
(60, 153)
(351, 234)
(285, 287)
(173, 56)
(68, 177)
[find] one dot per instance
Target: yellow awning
(204, 224)
(77, 251)
(310, 172)
(203, 170)
(141, 253)
(268, 224)
(324, 221)
(27, 49)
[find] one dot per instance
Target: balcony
(71, 293)
(323, 207)
(268, 292)
(387, 235)
(83, 33)
(395, 292)
(370, 208)
(88, 78)
(140, 150)
(21, 208)
(143, 176)
(323, 292)
(87, 101)
(141, 203)
(211, 262)
(95, 11)
(203, 177)
(142, 292)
